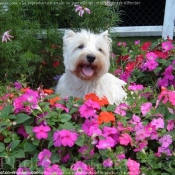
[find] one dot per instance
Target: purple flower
(57, 77)
(137, 42)
(135, 87)
(166, 140)
(41, 131)
(162, 82)
(168, 73)
(79, 168)
(121, 109)
(107, 163)
(44, 158)
(158, 123)
(17, 85)
(53, 170)
(105, 143)
(6, 36)
(81, 10)
(161, 150)
(21, 130)
(65, 158)
(145, 108)
(23, 171)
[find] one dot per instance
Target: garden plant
(43, 133)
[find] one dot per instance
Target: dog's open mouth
(87, 70)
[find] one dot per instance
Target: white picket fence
(167, 28)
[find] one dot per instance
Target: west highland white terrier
(87, 61)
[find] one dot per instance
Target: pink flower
(151, 56)
(121, 109)
(17, 85)
(86, 111)
(133, 166)
(23, 171)
(107, 163)
(135, 87)
(125, 139)
(79, 168)
(44, 158)
(166, 140)
(21, 130)
(165, 151)
(137, 42)
(151, 65)
(145, 108)
(167, 45)
(121, 44)
(41, 131)
(121, 156)
(81, 10)
(6, 36)
(105, 143)
(170, 125)
(141, 145)
(62, 107)
(158, 123)
(65, 158)
(65, 138)
(54, 169)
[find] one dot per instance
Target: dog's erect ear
(105, 35)
(68, 35)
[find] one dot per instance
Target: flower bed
(43, 133)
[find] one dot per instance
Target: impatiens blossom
(81, 10)
(22, 131)
(17, 85)
(133, 166)
(121, 109)
(166, 140)
(145, 108)
(137, 42)
(53, 170)
(79, 168)
(167, 45)
(158, 123)
(41, 131)
(44, 158)
(6, 36)
(125, 139)
(107, 163)
(151, 56)
(23, 171)
(105, 143)
(65, 138)
(170, 125)
(121, 44)
(135, 87)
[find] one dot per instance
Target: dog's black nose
(90, 58)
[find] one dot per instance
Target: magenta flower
(53, 170)
(23, 171)
(125, 139)
(86, 111)
(141, 134)
(65, 158)
(106, 143)
(121, 44)
(121, 109)
(107, 163)
(17, 85)
(145, 108)
(135, 87)
(65, 138)
(170, 125)
(151, 65)
(165, 151)
(133, 166)
(6, 36)
(41, 131)
(166, 140)
(79, 168)
(81, 10)
(21, 130)
(141, 146)
(44, 158)
(137, 42)
(167, 45)
(121, 156)
(151, 56)
(158, 123)
(62, 107)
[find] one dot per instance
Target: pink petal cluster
(81, 10)
(107, 163)
(167, 46)
(79, 168)
(54, 169)
(6, 36)
(121, 109)
(125, 139)
(23, 171)
(64, 138)
(133, 166)
(135, 87)
(41, 131)
(145, 108)
(44, 158)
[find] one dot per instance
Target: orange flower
(11, 96)
(54, 100)
(105, 117)
(103, 101)
(48, 91)
(24, 89)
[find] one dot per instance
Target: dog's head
(86, 54)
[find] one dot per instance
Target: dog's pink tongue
(87, 70)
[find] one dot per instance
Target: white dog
(86, 60)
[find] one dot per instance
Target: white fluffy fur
(74, 82)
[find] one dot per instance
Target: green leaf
(25, 163)
(19, 153)
(29, 129)
(64, 118)
(29, 147)
(14, 144)
(12, 116)
(67, 125)
(50, 143)
(2, 147)
(21, 118)
(80, 141)
(6, 111)
(111, 108)
(10, 161)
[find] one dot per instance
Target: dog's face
(86, 54)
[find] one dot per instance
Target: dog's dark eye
(81, 46)
(100, 49)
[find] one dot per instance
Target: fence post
(169, 19)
